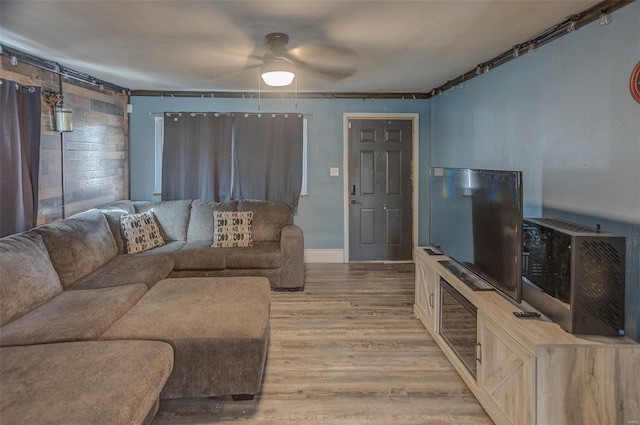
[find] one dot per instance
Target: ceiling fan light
(277, 78)
(278, 72)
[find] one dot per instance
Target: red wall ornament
(634, 83)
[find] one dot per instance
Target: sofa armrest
(292, 248)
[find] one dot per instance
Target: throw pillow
(140, 232)
(232, 229)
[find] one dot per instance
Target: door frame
(415, 139)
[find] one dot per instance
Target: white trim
(323, 255)
(305, 128)
(415, 148)
(159, 145)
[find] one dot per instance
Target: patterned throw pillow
(232, 229)
(140, 232)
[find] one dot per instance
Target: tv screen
(476, 219)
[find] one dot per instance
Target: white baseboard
(324, 255)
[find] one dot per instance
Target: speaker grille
(600, 281)
(579, 274)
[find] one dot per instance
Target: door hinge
(349, 124)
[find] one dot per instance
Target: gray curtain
(19, 156)
(196, 159)
(268, 157)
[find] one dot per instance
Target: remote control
(526, 314)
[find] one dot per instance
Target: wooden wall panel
(96, 152)
(50, 192)
(95, 160)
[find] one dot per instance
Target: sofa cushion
(232, 229)
(140, 232)
(172, 216)
(268, 218)
(72, 316)
(98, 382)
(201, 219)
(200, 256)
(27, 276)
(123, 205)
(78, 245)
(128, 269)
(113, 219)
(169, 247)
(262, 255)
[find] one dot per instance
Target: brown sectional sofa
(70, 305)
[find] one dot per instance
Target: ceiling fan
(279, 64)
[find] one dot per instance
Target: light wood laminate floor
(347, 350)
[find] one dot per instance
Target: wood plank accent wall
(95, 158)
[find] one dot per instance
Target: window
(159, 141)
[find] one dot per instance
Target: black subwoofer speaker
(575, 275)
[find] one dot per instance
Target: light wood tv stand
(530, 371)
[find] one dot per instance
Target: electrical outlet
(334, 171)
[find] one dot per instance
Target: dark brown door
(380, 215)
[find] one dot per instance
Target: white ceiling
(207, 45)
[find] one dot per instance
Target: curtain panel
(19, 156)
(197, 156)
(268, 157)
(232, 156)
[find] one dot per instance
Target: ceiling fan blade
(330, 71)
(246, 67)
(331, 61)
(323, 52)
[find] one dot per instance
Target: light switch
(334, 171)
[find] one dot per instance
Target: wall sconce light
(62, 116)
(277, 72)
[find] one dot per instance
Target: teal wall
(321, 214)
(564, 116)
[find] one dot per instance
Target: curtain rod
(279, 95)
(273, 114)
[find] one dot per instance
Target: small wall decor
(634, 83)
(62, 116)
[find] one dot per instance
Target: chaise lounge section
(223, 323)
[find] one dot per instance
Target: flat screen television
(476, 219)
